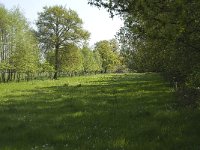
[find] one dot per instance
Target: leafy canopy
(58, 27)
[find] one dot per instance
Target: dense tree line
(63, 43)
(57, 47)
(18, 47)
(160, 36)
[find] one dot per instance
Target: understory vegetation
(113, 111)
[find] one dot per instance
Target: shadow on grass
(118, 112)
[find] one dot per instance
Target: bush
(194, 79)
(188, 96)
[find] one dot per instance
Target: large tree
(57, 27)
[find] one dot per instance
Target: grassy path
(103, 112)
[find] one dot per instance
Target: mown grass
(103, 112)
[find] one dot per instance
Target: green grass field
(102, 112)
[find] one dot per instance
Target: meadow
(101, 112)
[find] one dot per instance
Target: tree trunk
(8, 75)
(105, 70)
(56, 63)
(3, 77)
(14, 76)
(18, 77)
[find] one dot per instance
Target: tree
(98, 62)
(57, 27)
(71, 59)
(24, 52)
(114, 45)
(18, 46)
(4, 21)
(46, 68)
(109, 58)
(89, 63)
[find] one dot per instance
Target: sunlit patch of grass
(120, 143)
(101, 112)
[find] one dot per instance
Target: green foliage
(98, 61)
(193, 79)
(110, 58)
(71, 59)
(58, 27)
(18, 46)
(4, 66)
(47, 67)
(160, 36)
(89, 63)
(127, 48)
(26, 56)
(50, 57)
